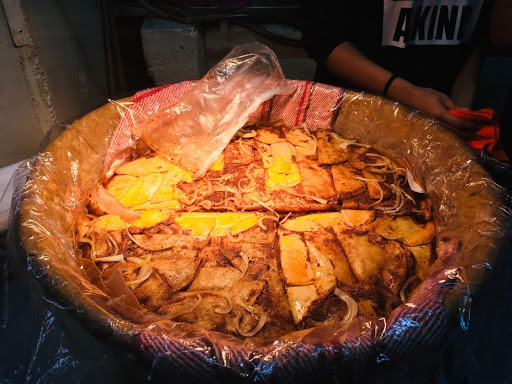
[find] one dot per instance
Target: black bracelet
(388, 84)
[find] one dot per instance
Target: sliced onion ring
(232, 238)
(144, 274)
(351, 305)
(255, 330)
(229, 302)
(406, 284)
(110, 259)
(260, 221)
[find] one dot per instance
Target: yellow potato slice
(166, 193)
(294, 261)
(301, 224)
(109, 223)
(355, 218)
(142, 190)
(276, 180)
(283, 154)
(241, 221)
(198, 224)
(301, 300)
(217, 224)
(405, 230)
(326, 220)
(244, 224)
(164, 205)
(150, 218)
(120, 184)
(145, 165)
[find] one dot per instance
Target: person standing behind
(421, 53)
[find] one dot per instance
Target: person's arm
(349, 64)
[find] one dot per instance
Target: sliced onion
(245, 259)
(269, 240)
(344, 143)
(135, 260)
(285, 218)
(384, 160)
(368, 179)
(232, 238)
(229, 306)
(253, 331)
(114, 243)
(139, 244)
(400, 169)
(191, 201)
(235, 203)
(191, 309)
(381, 194)
(249, 188)
(263, 226)
(206, 204)
(406, 284)
(223, 178)
(312, 197)
(413, 183)
(144, 274)
(110, 259)
(244, 134)
(92, 244)
(249, 308)
(304, 126)
(351, 305)
(242, 147)
(399, 202)
(262, 204)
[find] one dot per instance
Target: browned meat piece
(328, 150)
(345, 181)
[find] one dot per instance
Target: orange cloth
(487, 136)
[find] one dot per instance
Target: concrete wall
(19, 128)
(176, 52)
(58, 76)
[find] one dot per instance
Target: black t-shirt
(424, 41)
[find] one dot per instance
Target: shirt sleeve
(325, 25)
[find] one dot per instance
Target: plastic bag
(472, 241)
(196, 129)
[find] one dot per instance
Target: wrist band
(388, 84)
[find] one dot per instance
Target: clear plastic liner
(196, 129)
(472, 241)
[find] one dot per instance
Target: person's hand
(431, 102)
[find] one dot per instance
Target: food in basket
(289, 229)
